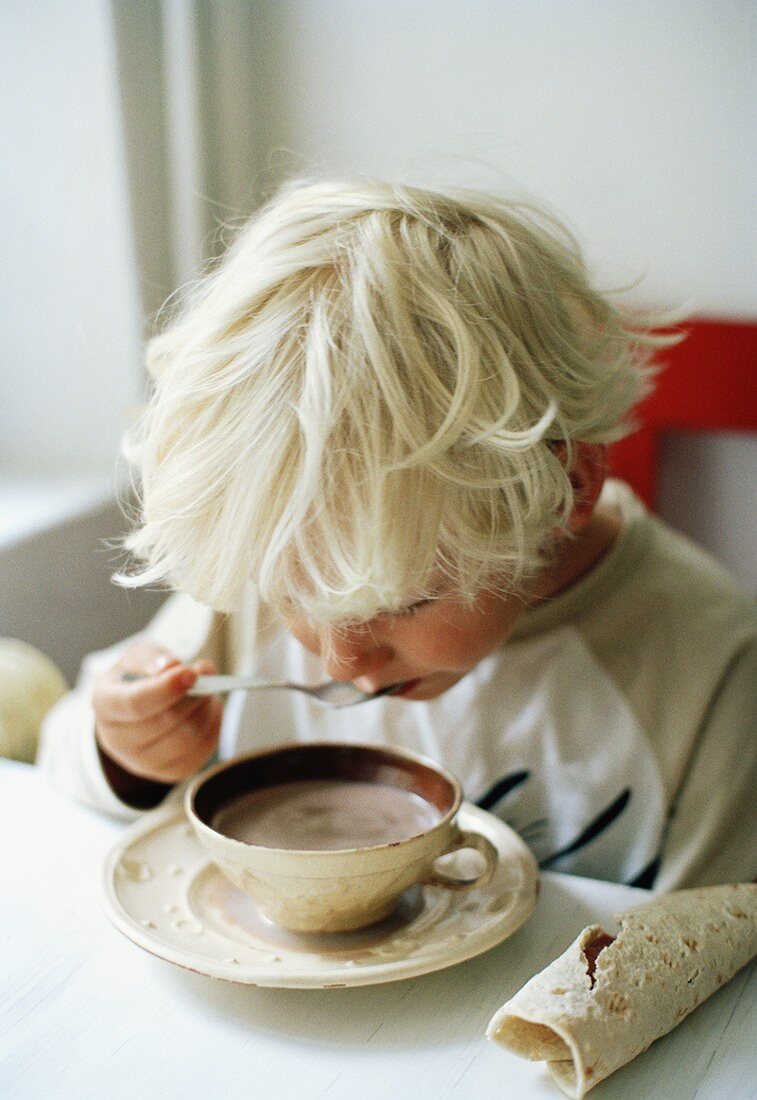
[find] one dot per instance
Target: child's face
(429, 646)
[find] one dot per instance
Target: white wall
(632, 118)
(69, 309)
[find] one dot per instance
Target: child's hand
(148, 725)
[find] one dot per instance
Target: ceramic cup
(334, 890)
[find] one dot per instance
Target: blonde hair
(365, 395)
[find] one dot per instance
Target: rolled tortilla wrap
(607, 998)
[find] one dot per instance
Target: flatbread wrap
(608, 997)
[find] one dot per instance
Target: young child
(376, 452)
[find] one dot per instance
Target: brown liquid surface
(326, 815)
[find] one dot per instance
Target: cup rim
(284, 747)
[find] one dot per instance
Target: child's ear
(587, 473)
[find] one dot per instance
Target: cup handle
(479, 843)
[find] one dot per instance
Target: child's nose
(349, 653)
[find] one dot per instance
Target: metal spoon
(334, 692)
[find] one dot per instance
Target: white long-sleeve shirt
(615, 730)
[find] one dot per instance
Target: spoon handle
(222, 685)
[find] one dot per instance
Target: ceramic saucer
(162, 891)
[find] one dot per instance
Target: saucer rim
(339, 976)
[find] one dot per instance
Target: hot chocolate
(321, 815)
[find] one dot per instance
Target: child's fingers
(127, 700)
(177, 742)
(170, 723)
(204, 667)
(188, 747)
(150, 695)
(145, 720)
(145, 658)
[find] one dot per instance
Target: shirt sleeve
(68, 751)
(712, 831)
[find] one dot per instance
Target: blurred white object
(29, 685)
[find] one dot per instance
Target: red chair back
(708, 384)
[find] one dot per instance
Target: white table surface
(85, 1013)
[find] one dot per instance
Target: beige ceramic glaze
(163, 892)
(335, 890)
